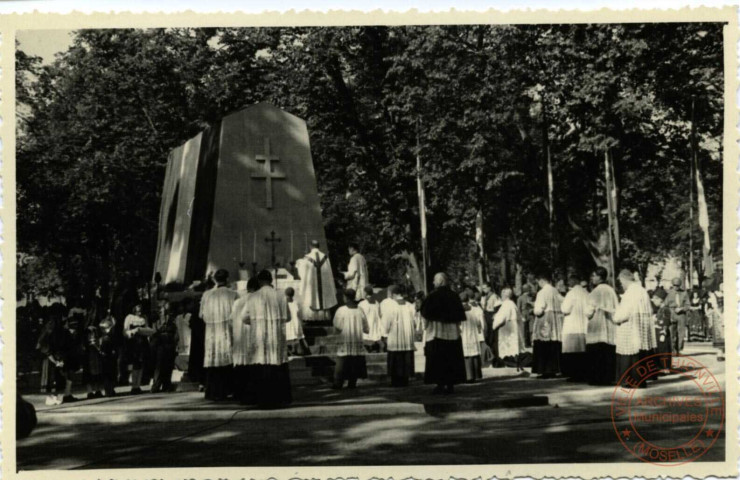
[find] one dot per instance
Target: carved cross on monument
(267, 172)
(273, 241)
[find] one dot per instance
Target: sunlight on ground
(216, 436)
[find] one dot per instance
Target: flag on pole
(615, 207)
(550, 187)
(704, 223)
(422, 200)
(611, 217)
(422, 213)
(479, 232)
(479, 244)
(597, 243)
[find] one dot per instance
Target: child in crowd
(108, 353)
(399, 327)
(182, 322)
(662, 320)
(135, 331)
(469, 331)
(92, 370)
(294, 329)
(60, 344)
(475, 307)
(350, 323)
(163, 343)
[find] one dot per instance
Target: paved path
(506, 418)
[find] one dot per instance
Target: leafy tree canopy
(478, 104)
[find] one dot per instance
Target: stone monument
(241, 195)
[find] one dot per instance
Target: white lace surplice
(215, 309)
(351, 322)
(602, 303)
(469, 330)
(267, 310)
(372, 313)
(294, 328)
(399, 326)
(510, 342)
(482, 319)
(357, 275)
(240, 331)
(636, 328)
(548, 322)
(575, 323)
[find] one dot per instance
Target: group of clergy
(583, 335)
(596, 336)
(249, 334)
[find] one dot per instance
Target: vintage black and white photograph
(374, 245)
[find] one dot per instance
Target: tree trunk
(502, 265)
(518, 279)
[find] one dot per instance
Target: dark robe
(444, 306)
(197, 349)
(218, 382)
(25, 417)
(269, 385)
(400, 367)
(349, 368)
(445, 361)
(601, 362)
(663, 329)
(164, 350)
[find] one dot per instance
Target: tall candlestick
(254, 248)
(241, 248)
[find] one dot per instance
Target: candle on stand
(254, 248)
(241, 248)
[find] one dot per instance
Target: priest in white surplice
(318, 292)
(266, 314)
(356, 274)
(547, 334)
(510, 338)
(635, 336)
(240, 346)
(573, 361)
(215, 310)
(600, 345)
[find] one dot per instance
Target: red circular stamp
(674, 421)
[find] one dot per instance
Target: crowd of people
(239, 342)
(138, 352)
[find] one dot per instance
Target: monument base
(315, 316)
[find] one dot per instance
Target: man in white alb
(356, 274)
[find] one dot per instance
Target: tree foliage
(478, 104)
